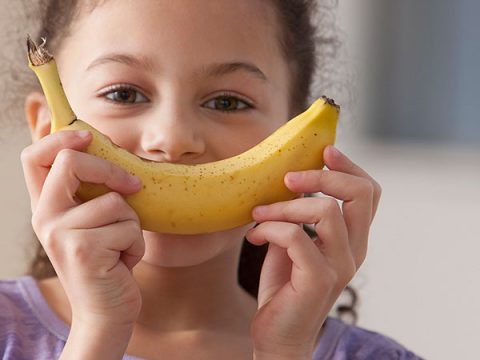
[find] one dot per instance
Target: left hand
(301, 279)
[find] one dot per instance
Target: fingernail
(294, 176)
(259, 210)
(335, 151)
(83, 134)
(134, 180)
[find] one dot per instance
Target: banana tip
(331, 102)
(37, 54)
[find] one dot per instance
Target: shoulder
(24, 331)
(12, 317)
(12, 301)
(342, 341)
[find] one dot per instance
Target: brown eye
(226, 103)
(124, 95)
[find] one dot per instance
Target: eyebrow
(214, 70)
(121, 58)
(217, 70)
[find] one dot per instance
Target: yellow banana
(192, 199)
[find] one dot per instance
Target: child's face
(182, 81)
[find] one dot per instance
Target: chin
(177, 250)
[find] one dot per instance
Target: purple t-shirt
(29, 329)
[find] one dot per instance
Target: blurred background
(413, 124)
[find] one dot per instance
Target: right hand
(94, 245)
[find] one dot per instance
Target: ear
(38, 115)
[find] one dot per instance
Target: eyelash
(228, 95)
(122, 87)
(247, 105)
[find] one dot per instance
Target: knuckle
(51, 246)
(48, 237)
(37, 221)
(136, 224)
(65, 157)
(65, 138)
(348, 271)
(133, 227)
(27, 154)
(112, 170)
(316, 176)
(44, 231)
(113, 199)
(367, 188)
(293, 230)
(114, 202)
(78, 249)
(134, 217)
(283, 210)
(331, 206)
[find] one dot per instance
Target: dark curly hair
(309, 41)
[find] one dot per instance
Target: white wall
(419, 283)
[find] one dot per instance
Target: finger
(341, 185)
(335, 183)
(325, 213)
(311, 271)
(345, 187)
(302, 251)
(102, 248)
(106, 209)
(276, 272)
(355, 192)
(314, 279)
(70, 168)
(124, 239)
(336, 160)
(38, 158)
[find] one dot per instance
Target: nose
(173, 135)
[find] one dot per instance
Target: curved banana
(192, 199)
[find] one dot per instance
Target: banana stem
(44, 66)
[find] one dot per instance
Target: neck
(204, 296)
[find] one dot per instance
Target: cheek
(242, 142)
(121, 132)
(235, 140)
(260, 133)
(126, 136)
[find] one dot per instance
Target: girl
(184, 81)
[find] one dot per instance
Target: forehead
(221, 22)
(179, 35)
